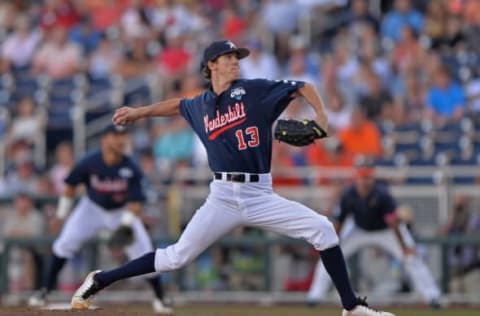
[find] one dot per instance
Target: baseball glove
(298, 133)
(121, 237)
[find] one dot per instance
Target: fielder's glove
(298, 133)
(121, 237)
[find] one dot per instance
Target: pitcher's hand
(125, 115)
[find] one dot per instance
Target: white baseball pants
(232, 204)
(418, 272)
(86, 220)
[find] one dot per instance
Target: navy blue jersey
(369, 212)
(236, 126)
(110, 187)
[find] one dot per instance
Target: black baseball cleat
(362, 309)
(435, 304)
(82, 298)
(311, 304)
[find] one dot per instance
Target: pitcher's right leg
(213, 220)
(209, 223)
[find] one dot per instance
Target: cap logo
(232, 46)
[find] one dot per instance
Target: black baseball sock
(334, 263)
(142, 265)
(56, 265)
(156, 284)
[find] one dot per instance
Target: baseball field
(226, 310)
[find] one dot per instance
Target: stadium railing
(445, 243)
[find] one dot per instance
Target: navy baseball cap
(116, 129)
(219, 48)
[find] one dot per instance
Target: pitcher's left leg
(293, 219)
(280, 215)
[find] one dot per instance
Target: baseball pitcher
(233, 119)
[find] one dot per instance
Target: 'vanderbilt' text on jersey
(236, 126)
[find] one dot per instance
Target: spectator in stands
(134, 22)
(58, 58)
(8, 13)
(369, 52)
(454, 34)
(329, 153)
(260, 63)
(297, 71)
(280, 18)
(445, 99)
(408, 52)
(472, 27)
(175, 16)
(175, 58)
(104, 14)
(411, 97)
(299, 51)
(402, 15)
(360, 15)
(345, 68)
(376, 101)
(58, 13)
(233, 26)
(64, 161)
(28, 124)
(19, 46)
(103, 59)
(338, 112)
(24, 221)
(435, 26)
(84, 35)
(362, 136)
(23, 178)
(136, 61)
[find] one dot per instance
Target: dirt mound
(97, 312)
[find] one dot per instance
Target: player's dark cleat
(38, 299)
(160, 308)
(362, 309)
(311, 304)
(435, 304)
(82, 298)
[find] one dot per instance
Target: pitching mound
(95, 312)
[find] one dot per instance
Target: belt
(236, 177)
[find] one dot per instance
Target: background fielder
(375, 223)
(113, 197)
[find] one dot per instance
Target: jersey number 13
(252, 139)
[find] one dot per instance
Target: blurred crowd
(381, 66)
(385, 69)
